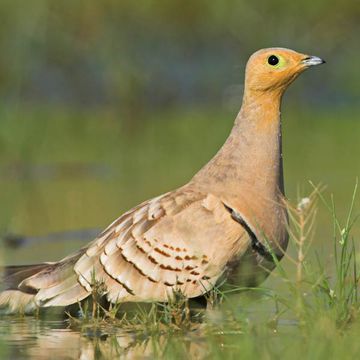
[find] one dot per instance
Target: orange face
(276, 68)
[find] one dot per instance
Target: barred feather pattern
(168, 243)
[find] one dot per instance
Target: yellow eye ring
(275, 61)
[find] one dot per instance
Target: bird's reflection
(31, 338)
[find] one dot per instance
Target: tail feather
(12, 276)
(72, 295)
(12, 298)
(25, 287)
(12, 301)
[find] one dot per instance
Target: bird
(229, 222)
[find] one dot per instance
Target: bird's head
(276, 68)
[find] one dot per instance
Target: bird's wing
(179, 241)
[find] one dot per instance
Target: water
(32, 338)
(40, 338)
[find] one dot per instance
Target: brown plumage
(223, 223)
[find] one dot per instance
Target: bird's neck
(250, 161)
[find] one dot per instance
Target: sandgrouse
(228, 222)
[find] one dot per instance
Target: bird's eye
(273, 60)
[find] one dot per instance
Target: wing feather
(170, 242)
(181, 240)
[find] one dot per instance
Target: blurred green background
(105, 104)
